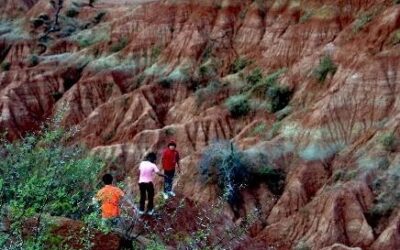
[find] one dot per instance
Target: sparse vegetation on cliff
(325, 67)
(238, 105)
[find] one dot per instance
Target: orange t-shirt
(109, 196)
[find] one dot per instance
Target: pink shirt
(147, 171)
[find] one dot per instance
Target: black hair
(107, 179)
(151, 157)
(172, 144)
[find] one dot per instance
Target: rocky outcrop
(131, 75)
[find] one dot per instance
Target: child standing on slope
(110, 197)
(170, 160)
(147, 170)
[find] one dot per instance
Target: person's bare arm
(161, 174)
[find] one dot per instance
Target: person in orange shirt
(109, 197)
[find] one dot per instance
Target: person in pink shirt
(147, 171)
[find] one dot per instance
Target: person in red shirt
(170, 162)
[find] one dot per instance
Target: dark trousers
(168, 180)
(146, 189)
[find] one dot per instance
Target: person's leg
(169, 180)
(150, 190)
(142, 187)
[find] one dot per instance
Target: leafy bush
(207, 92)
(155, 52)
(388, 141)
(165, 82)
(99, 16)
(255, 77)
(238, 105)
(5, 66)
(88, 37)
(33, 60)
(238, 65)
(119, 45)
(361, 21)
(279, 97)
(396, 37)
(326, 66)
(230, 169)
(72, 12)
(38, 175)
(224, 165)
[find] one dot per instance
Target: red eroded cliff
(132, 75)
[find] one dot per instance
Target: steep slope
(130, 76)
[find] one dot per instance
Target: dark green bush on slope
(39, 176)
(238, 105)
(231, 170)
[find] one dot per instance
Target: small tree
(238, 105)
(326, 66)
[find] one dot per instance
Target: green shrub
(279, 97)
(119, 45)
(5, 66)
(99, 16)
(165, 82)
(33, 60)
(361, 21)
(396, 37)
(388, 141)
(39, 175)
(326, 66)
(238, 65)
(238, 105)
(207, 92)
(72, 12)
(224, 165)
(91, 2)
(155, 53)
(231, 170)
(255, 77)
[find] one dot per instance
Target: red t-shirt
(169, 159)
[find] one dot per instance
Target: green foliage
(91, 2)
(224, 165)
(119, 45)
(231, 169)
(279, 97)
(99, 16)
(239, 64)
(396, 36)
(361, 21)
(259, 129)
(5, 66)
(155, 53)
(33, 60)
(306, 16)
(302, 246)
(238, 105)
(72, 12)
(326, 66)
(203, 94)
(39, 175)
(255, 77)
(93, 36)
(388, 141)
(165, 82)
